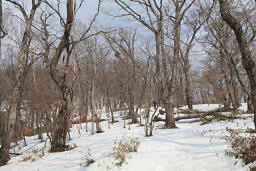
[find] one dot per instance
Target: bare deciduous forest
(159, 71)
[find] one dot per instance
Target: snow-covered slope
(209, 107)
(190, 147)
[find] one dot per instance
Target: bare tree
(154, 21)
(20, 75)
(181, 7)
(123, 46)
(2, 32)
(248, 62)
(61, 58)
(221, 41)
(194, 23)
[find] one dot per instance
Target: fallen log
(157, 119)
(216, 114)
(16, 154)
(220, 109)
(189, 117)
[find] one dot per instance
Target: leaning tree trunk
(20, 75)
(227, 81)
(62, 121)
(244, 88)
(236, 102)
(10, 127)
(247, 59)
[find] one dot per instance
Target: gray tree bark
(247, 59)
(20, 75)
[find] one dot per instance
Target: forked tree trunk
(179, 13)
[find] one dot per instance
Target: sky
(104, 19)
(89, 8)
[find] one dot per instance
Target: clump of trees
(54, 68)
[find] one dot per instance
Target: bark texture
(20, 75)
(247, 60)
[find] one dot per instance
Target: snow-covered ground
(190, 147)
(209, 107)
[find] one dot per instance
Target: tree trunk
(132, 114)
(98, 129)
(86, 112)
(10, 127)
(244, 88)
(249, 104)
(227, 81)
(236, 101)
(109, 106)
(247, 59)
(18, 131)
(4, 151)
(189, 98)
(59, 77)
(1, 27)
(20, 75)
(92, 106)
(39, 125)
(62, 124)
(170, 122)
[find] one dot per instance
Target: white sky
(105, 20)
(89, 8)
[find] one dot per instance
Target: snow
(243, 107)
(190, 147)
(204, 107)
(209, 107)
